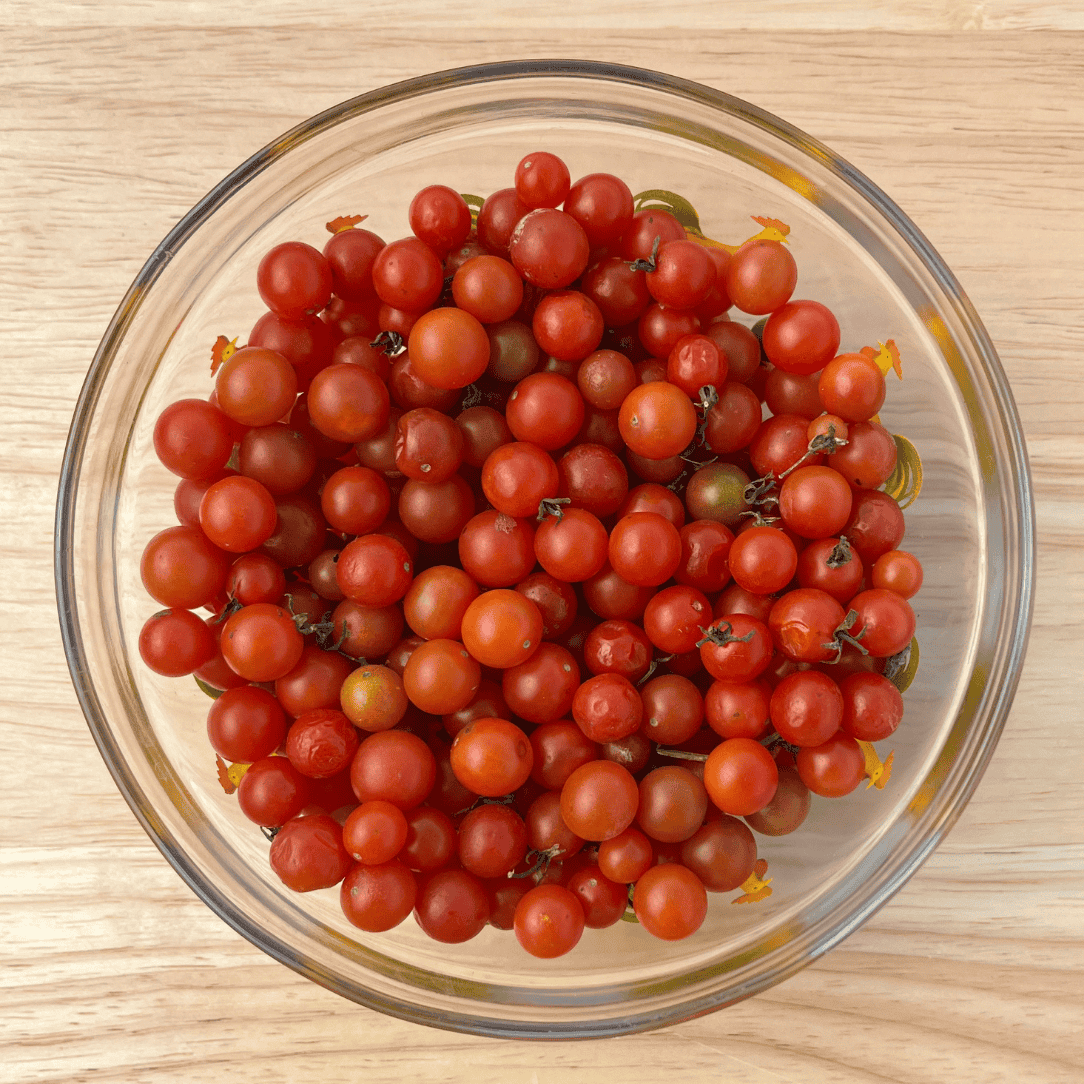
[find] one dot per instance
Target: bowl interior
(970, 527)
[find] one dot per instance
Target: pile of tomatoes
(536, 583)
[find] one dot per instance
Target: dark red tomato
(737, 648)
(513, 353)
(815, 502)
(440, 217)
(738, 345)
(278, 457)
(673, 709)
(545, 409)
(722, 853)
(306, 343)
(408, 275)
(300, 534)
(409, 390)
(852, 386)
(649, 230)
(556, 601)
(670, 901)
(761, 276)
(806, 708)
(497, 550)
(549, 248)
(618, 289)
(868, 457)
(394, 766)
(740, 776)
(779, 443)
(314, 682)
(705, 549)
(830, 565)
(568, 325)
(559, 749)
(652, 497)
(272, 791)
(644, 548)
(492, 841)
(624, 858)
(181, 568)
(736, 600)
(377, 898)
(428, 445)
(497, 218)
(237, 514)
(593, 478)
(366, 632)
(696, 362)
(350, 255)
(787, 809)
(603, 901)
(611, 596)
(617, 647)
(484, 431)
(683, 276)
(875, 526)
(763, 560)
(245, 724)
(834, 768)
(804, 623)
(872, 706)
(355, 500)
(603, 206)
(791, 393)
(541, 689)
(307, 853)
(293, 279)
(430, 841)
(572, 545)
(549, 921)
(738, 709)
(734, 420)
(885, 623)
(675, 618)
(607, 707)
(517, 476)
(374, 570)
(801, 337)
(673, 803)
(660, 329)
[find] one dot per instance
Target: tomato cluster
(537, 584)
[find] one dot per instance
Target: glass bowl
(856, 251)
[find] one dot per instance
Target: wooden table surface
(117, 115)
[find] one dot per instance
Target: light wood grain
(116, 117)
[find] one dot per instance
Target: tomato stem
(551, 506)
(679, 754)
(650, 264)
(391, 342)
(722, 633)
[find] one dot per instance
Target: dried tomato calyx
(723, 634)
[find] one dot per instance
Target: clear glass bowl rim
(950, 800)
